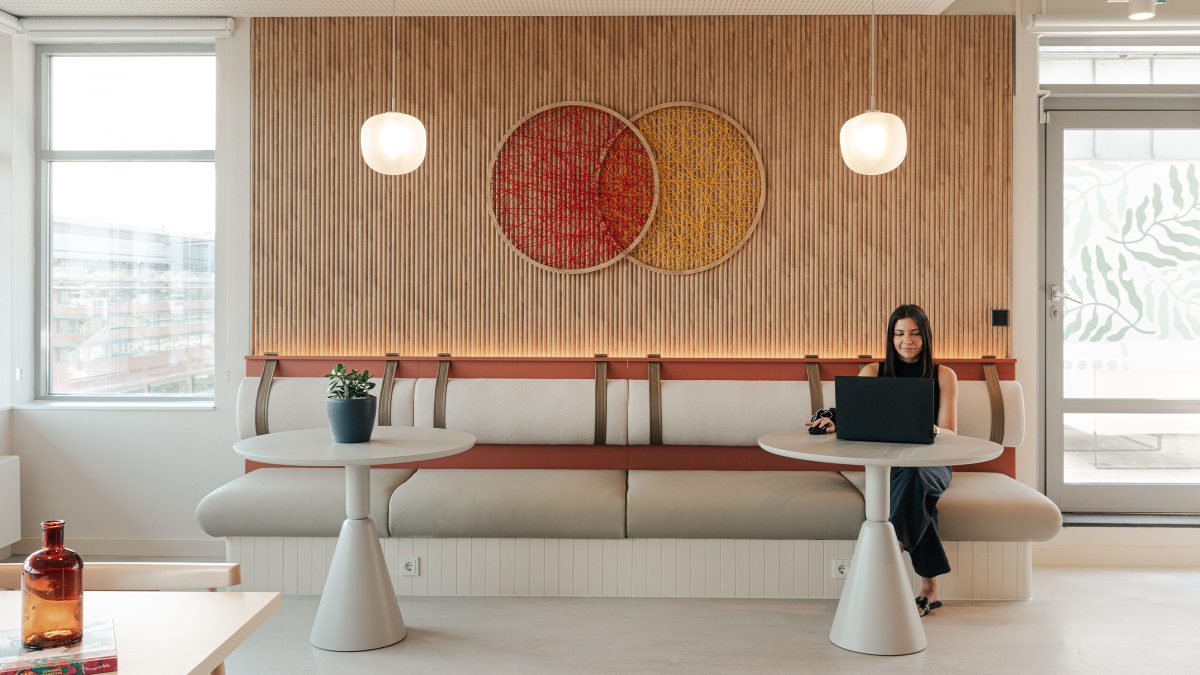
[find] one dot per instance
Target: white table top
(167, 632)
(949, 449)
(388, 445)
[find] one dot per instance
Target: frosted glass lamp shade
(1140, 10)
(393, 143)
(874, 143)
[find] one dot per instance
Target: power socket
(840, 568)
(410, 566)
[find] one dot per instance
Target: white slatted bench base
(698, 568)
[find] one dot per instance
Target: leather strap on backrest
(439, 392)
(816, 396)
(264, 394)
(601, 416)
(385, 394)
(996, 399)
(654, 375)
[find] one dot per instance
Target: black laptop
(885, 409)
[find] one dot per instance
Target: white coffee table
(876, 614)
(358, 609)
(168, 632)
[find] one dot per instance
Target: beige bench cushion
(525, 411)
(550, 503)
(743, 505)
(718, 412)
(292, 502)
(981, 506)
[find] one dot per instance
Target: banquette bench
(637, 477)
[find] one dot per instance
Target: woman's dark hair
(928, 369)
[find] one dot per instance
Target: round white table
(358, 609)
(876, 614)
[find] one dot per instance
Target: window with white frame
(1083, 61)
(126, 183)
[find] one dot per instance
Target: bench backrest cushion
(299, 403)
(737, 412)
(975, 411)
(718, 412)
(526, 411)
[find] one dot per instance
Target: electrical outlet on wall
(410, 566)
(840, 568)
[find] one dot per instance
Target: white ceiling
(27, 8)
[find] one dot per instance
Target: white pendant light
(393, 143)
(1140, 10)
(874, 142)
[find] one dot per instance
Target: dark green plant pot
(351, 420)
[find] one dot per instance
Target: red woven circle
(573, 187)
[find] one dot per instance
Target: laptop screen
(885, 409)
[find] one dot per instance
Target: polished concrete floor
(1080, 621)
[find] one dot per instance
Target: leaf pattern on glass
(1146, 279)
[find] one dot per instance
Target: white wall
(127, 481)
(9, 488)
(6, 224)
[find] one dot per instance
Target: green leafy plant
(349, 384)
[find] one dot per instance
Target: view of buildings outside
(131, 311)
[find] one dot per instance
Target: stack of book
(94, 654)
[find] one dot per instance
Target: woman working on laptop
(915, 490)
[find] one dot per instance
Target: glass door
(1123, 311)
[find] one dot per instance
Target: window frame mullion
(128, 155)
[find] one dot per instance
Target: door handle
(1057, 295)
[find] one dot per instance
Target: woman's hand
(823, 423)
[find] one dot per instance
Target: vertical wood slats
(353, 262)
(712, 568)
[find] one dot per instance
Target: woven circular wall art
(573, 187)
(712, 187)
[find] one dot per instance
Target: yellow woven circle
(711, 187)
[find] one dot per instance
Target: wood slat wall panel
(347, 261)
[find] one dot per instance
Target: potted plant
(351, 407)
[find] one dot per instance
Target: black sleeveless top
(914, 370)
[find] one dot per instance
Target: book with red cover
(94, 654)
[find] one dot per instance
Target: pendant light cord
(394, 54)
(872, 107)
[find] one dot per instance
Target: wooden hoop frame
(653, 204)
(762, 194)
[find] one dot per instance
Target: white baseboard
(1147, 547)
(148, 548)
(729, 568)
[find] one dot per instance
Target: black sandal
(924, 606)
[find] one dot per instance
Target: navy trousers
(915, 493)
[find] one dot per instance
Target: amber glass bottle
(52, 592)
